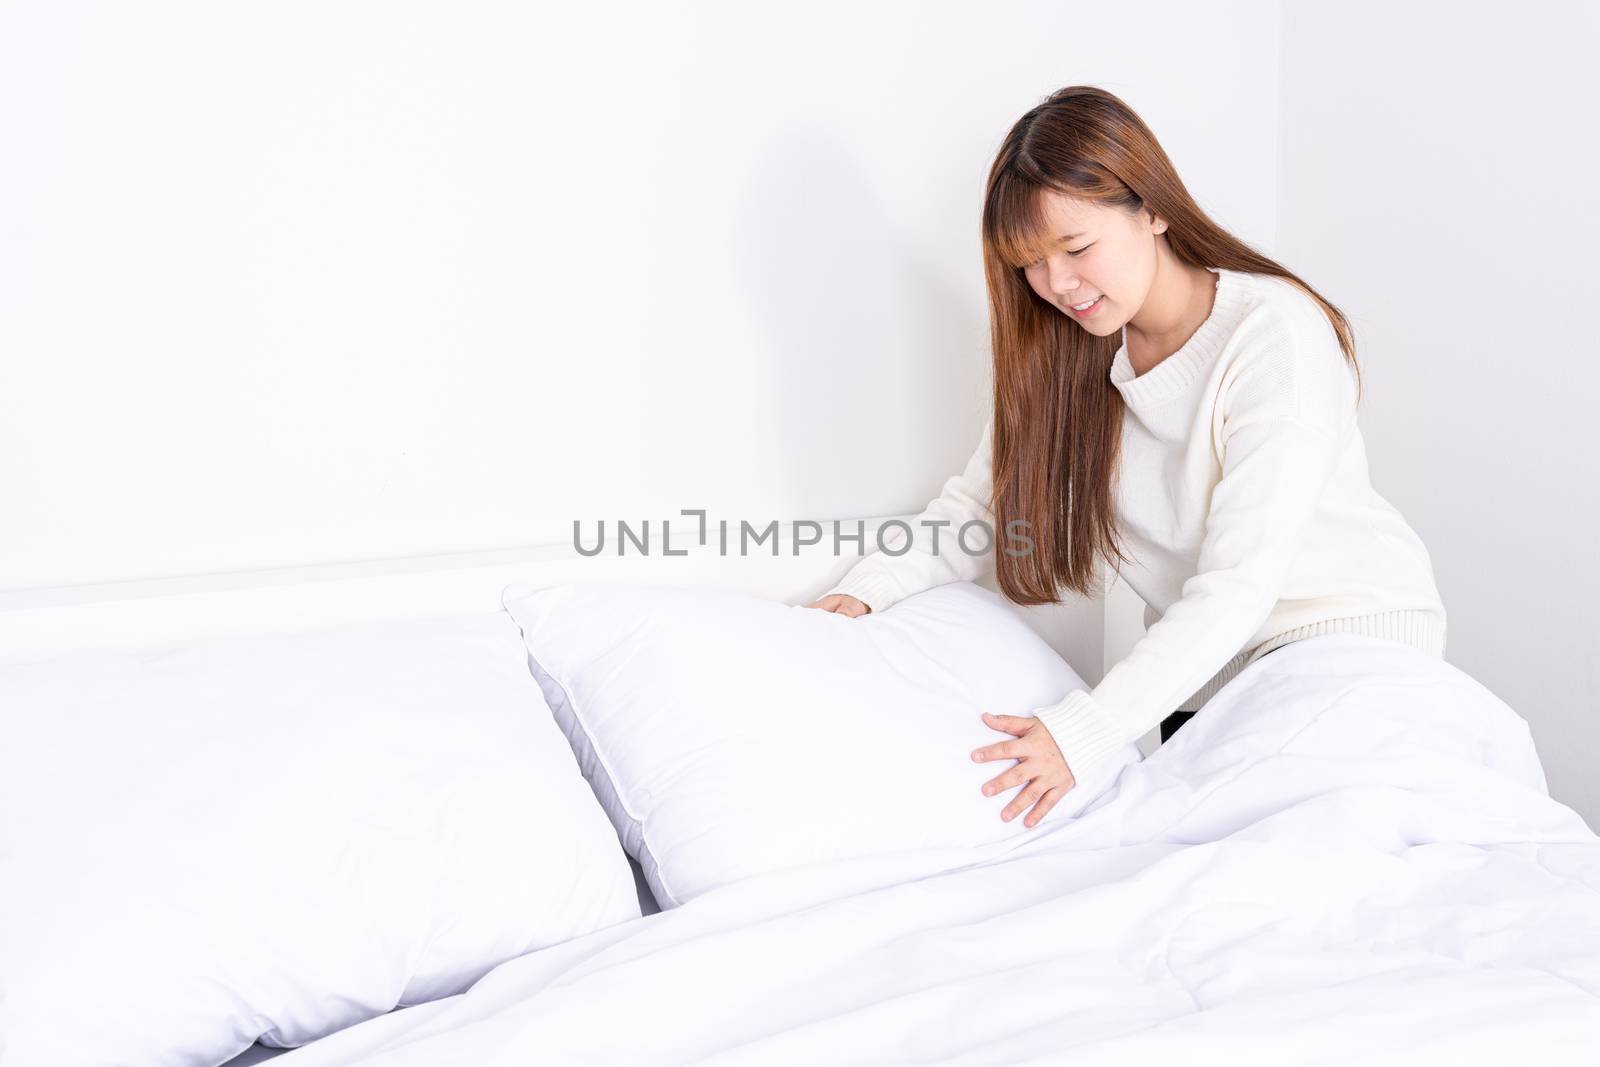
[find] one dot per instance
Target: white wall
(296, 283)
(1436, 180)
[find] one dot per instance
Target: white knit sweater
(1243, 497)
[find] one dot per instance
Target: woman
(1159, 387)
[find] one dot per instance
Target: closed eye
(1071, 252)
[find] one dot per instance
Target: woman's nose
(1062, 281)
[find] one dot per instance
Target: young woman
(1165, 398)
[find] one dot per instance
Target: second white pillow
(280, 837)
(729, 736)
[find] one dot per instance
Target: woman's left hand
(1040, 766)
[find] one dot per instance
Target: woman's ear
(1158, 225)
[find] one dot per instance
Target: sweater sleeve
(932, 553)
(1280, 444)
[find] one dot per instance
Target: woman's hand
(841, 604)
(1039, 764)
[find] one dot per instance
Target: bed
(1349, 856)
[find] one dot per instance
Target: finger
(1003, 750)
(1011, 724)
(1046, 802)
(1021, 801)
(843, 604)
(1014, 776)
(1025, 747)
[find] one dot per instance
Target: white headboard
(177, 612)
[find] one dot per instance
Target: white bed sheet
(1348, 857)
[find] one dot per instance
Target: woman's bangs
(1021, 232)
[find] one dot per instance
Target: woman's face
(1101, 254)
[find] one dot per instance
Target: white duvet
(1348, 856)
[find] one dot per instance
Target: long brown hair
(1057, 416)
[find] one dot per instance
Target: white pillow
(729, 736)
(281, 837)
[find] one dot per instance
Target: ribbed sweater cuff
(1085, 732)
(873, 588)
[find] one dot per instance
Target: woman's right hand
(841, 604)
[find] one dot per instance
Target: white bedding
(417, 812)
(1347, 857)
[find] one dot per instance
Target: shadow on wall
(878, 361)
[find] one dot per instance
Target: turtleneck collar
(1173, 375)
